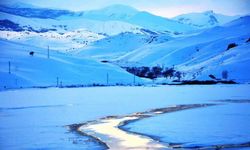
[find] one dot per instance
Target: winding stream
(107, 130)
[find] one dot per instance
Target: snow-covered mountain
(205, 19)
(122, 36)
(112, 17)
(67, 31)
(113, 12)
(195, 54)
(67, 23)
(140, 18)
(154, 53)
(68, 34)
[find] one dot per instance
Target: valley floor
(38, 118)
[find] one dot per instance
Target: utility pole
(9, 67)
(107, 79)
(48, 51)
(57, 81)
(134, 80)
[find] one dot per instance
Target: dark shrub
(151, 75)
(157, 71)
(212, 76)
(32, 53)
(178, 75)
(169, 72)
(193, 82)
(104, 61)
(231, 45)
(248, 40)
(144, 71)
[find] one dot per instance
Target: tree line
(154, 72)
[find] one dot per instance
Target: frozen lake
(36, 118)
(217, 125)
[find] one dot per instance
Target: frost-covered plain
(218, 125)
(36, 118)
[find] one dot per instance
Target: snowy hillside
(69, 31)
(65, 42)
(39, 70)
(191, 54)
(114, 77)
(127, 37)
(64, 24)
(143, 19)
(205, 19)
(61, 35)
(235, 62)
(115, 46)
(119, 18)
(113, 12)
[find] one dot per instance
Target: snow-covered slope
(119, 18)
(66, 23)
(123, 35)
(204, 20)
(153, 53)
(38, 70)
(115, 46)
(113, 12)
(65, 42)
(60, 34)
(68, 31)
(143, 19)
(236, 62)
(194, 54)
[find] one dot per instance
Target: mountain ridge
(126, 37)
(206, 19)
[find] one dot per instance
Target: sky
(165, 8)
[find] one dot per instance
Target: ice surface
(35, 118)
(217, 125)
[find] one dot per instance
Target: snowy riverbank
(110, 130)
(43, 113)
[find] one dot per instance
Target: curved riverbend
(108, 132)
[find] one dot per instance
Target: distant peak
(119, 7)
(116, 11)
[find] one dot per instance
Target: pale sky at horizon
(165, 8)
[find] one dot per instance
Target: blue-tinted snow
(223, 124)
(35, 118)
